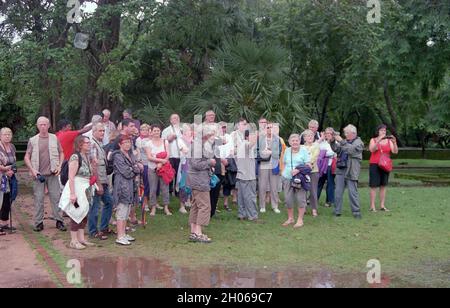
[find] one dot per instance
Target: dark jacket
(199, 170)
(354, 150)
(125, 171)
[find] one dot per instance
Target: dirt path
(20, 267)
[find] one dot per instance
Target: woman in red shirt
(377, 176)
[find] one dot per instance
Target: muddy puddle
(144, 273)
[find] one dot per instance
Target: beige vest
(52, 147)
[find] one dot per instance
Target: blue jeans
(329, 178)
(106, 211)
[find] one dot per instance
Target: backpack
(64, 175)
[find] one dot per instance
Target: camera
(247, 134)
(40, 178)
(297, 181)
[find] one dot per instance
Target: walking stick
(11, 231)
(141, 201)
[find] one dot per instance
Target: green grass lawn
(411, 242)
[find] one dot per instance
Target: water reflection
(123, 272)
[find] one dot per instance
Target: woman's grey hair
(330, 129)
(308, 132)
(187, 127)
(294, 136)
(5, 130)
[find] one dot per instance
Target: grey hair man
(350, 153)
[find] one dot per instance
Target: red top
(375, 156)
(67, 140)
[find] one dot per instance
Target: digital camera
(40, 178)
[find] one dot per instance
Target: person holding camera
(327, 139)
(269, 172)
(294, 157)
(173, 135)
(245, 147)
(379, 178)
(43, 158)
(350, 154)
(8, 169)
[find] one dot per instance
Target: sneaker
(357, 216)
(188, 204)
(60, 226)
(39, 227)
(182, 210)
(123, 241)
(129, 238)
(327, 205)
(262, 210)
(147, 209)
(277, 211)
(159, 207)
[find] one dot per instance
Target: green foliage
(287, 60)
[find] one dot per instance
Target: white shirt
(142, 145)
(174, 149)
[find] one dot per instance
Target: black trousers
(6, 207)
(215, 195)
(175, 162)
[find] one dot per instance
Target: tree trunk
(392, 124)
(95, 99)
(326, 102)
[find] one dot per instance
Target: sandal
(87, 244)
(383, 209)
(100, 236)
(203, 238)
(108, 232)
(77, 246)
(193, 237)
(297, 225)
(287, 223)
(372, 210)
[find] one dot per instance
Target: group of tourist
(114, 169)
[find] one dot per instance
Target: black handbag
(231, 174)
(296, 183)
(258, 156)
